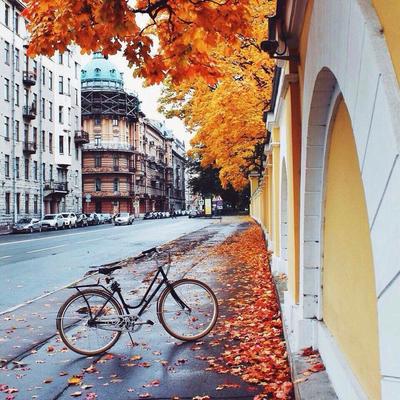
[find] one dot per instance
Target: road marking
(3, 257)
(46, 248)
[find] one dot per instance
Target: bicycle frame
(144, 302)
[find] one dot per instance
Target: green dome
(101, 73)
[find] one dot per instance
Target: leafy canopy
(159, 38)
(226, 118)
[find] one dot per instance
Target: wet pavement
(36, 363)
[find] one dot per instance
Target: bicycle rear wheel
(188, 309)
(74, 326)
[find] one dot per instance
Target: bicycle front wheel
(188, 309)
(75, 322)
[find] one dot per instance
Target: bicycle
(92, 320)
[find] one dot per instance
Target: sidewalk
(243, 358)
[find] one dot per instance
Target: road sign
(88, 198)
(201, 202)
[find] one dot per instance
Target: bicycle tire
(72, 333)
(188, 325)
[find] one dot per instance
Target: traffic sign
(88, 198)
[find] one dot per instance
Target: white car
(124, 218)
(52, 221)
(69, 220)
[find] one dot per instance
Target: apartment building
(40, 136)
(178, 195)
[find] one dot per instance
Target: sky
(147, 95)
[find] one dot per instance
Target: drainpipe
(39, 105)
(13, 138)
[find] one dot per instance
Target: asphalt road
(32, 265)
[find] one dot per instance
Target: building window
(16, 23)
(6, 89)
(35, 203)
(69, 146)
(51, 173)
(35, 135)
(116, 184)
(61, 84)
(17, 167)
(69, 116)
(7, 53)
(97, 140)
(43, 75)
(61, 144)
(17, 59)
(115, 160)
(7, 166)
(16, 94)
(18, 202)
(7, 128)
(69, 87)
(27, 169)
(76, 70)
(115, 122)
(26, 132)
(50, 111)
(43, 141)
(76, 97)
(60, 58)
(17, 131)
(76, 153)
(97, 160)
(97, 121)
(43, 108)
(50, 80)
(44, 171)
(35, 67)
(26, 203)
(98, 184)
(50, 142)
(61, 114)
(7, 15)
(35, 170)
(8, 208)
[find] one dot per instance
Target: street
(35, 264)
(35, 364)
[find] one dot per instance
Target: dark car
(27, 225)
(81, 220)
(93, 219)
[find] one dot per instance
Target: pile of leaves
(257, 350)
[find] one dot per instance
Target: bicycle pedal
(149, 322)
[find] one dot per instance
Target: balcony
(29, 112)
(29, 148)
(29, 78)
(108, 146)
(81, 137)
(107, 170)
(55, 189)
(110, 194)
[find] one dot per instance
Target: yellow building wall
(349, 302)
(389, 14)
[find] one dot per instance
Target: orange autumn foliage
(226, 118)
(257, 352)
(159, 38)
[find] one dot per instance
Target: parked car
(194, 213)
(124, 218)
(27, 225)
(81, 220)
(52, 221)
(106, 218)
(69, 220)
(148, 215)
(93, 219)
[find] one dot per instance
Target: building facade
(178, 195)
(128, 162)
(329, 194)
(110, 117)
(40, 115)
